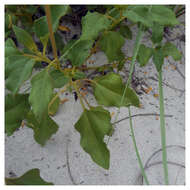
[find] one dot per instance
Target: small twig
(68, 165)
(168, 85)
(177, 69)
(147, 165)
(141, 114)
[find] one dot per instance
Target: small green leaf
(158, 58)
(93, 125)
(93, 24)
(43, 129)
(31, 177)
(170, 49)
(79, 75)
(41, 93)
(144, 54)
(18, 70)
(109, 89)
(41, 27)
(16, 108)
(58, 78)
(125, 32)
(24, 38)
(79, 52)
(53, 107)
(111, 43)
(157, 33)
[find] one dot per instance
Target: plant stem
(163, 130)
(136, 49)
(136, 149)
(52, 38)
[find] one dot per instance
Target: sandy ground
(62, 160)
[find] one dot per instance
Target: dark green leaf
(58, 78)
(170, 49)
(43, 129)
(144, 54)
(79, 52)
(31, 177)
(158, 58)
(24, 38)
(79, 75)
(125, 32)
(93, 125)
(109, 89)
(93, 24)
(16, 108)
(18, 70)
(111, 44)
(41, 93)
(157, 33)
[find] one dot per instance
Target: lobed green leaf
(93, 24)
(31, 177)
(93, 125)
(111, 43)
(43, 129)
(109, 89)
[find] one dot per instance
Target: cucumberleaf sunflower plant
(104, 29)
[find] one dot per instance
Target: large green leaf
(58, 78)
(109, 89)
(41, 93)
(43, 129)
(31, 177)
(144, 54)
(157, 33)
(24, 38)
(158, 58)
(79, 52)
(170, 49)
(111, 44)
(18, 70)
(93, 24)
(41, 26)
(93, 125)
(16, 108)
(148, 14)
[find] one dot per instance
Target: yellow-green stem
(52, 38)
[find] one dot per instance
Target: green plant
(104, 29)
